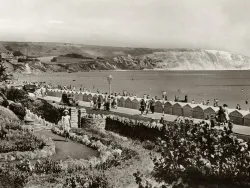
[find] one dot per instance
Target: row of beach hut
(197, 111)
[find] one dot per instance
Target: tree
(17, 53)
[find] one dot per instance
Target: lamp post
(109, 78)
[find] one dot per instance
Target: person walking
(152, 105)
(99, 102)
(143, 106)
(66, 124)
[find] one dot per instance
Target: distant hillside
(76, 57)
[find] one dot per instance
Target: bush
(6, 113)
(44, 109)
(16, 95)
(18, 109)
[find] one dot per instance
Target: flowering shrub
(25, 145)
(134, 129)
(203, 155)
(43, 109)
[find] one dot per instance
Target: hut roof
(247, 116)
(179, 104)
(215, 109)
(202, 107)
(136, 100)
(239, 113)
(170, 102)
(189, 105)
(129, 99)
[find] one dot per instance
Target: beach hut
(158, 106)
(128, 103)
(237, 116)
(177, 109)
(121, 102)
(94, 97)
(49, 92)
(90, 96)
(58, 93)
(78, 96)
(168, 107)
(136, 103)
(210, 111)
(85, 97)
(188, 110)
(198, 111)
(247, 119)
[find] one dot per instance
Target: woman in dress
(66, 124)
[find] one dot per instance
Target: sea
(229, 87)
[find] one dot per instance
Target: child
(66, 124)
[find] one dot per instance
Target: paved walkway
(68, 149)
(239, 129)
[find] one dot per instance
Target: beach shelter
(78, 96)
(247, 119)
(237, 116)
(210, 111)
(90, 96)
(188, 110)
(198, 111)
(128, 103)
(49, 92)
(168, 107)
(158, 106)
(121, 102)
(59, 93)
(85, 97)
(177, 109)
(94, 97)
(136, 103)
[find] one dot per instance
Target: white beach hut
(168, 107)
(198, 111)
(159, 106)
(188, 109)
(237, 116)
(85, 97)
(136, 103)
(210, 111)
(121, 102)
(247, 119)
(128, 103)
(177, 109)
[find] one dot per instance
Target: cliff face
(112, 58)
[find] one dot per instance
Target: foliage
(20, 141)
(17, 53)
(16, 95)
(18, 109)
(7, 114)
(12, 177)
(86, 181)
(134, 129)
(3, 72)
(44, 109)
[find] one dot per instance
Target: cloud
(55, 22)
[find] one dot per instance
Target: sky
(207, 24)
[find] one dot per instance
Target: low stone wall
(92, 120)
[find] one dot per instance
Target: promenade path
(133, 113)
